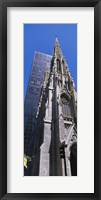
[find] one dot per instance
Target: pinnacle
(57, 50)
(56, 41)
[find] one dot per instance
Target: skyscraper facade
(55, 142)
(41, 61)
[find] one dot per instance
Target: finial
(56, 39)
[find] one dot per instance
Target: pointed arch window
(58, 65)
(69, 85)
(66, 107)
(64, 68)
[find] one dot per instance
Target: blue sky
(41, 37)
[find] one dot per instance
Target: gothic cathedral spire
(57, 50)
(56, 127)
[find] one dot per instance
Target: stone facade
(55, 145)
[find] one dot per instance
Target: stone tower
(55, 145)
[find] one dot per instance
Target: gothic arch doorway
(73, 159)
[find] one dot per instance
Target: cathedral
(55, 142)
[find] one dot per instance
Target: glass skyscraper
(40, 63)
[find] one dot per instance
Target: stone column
(44, 151)
(68, 165)
(63, 168)
(44, 163)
